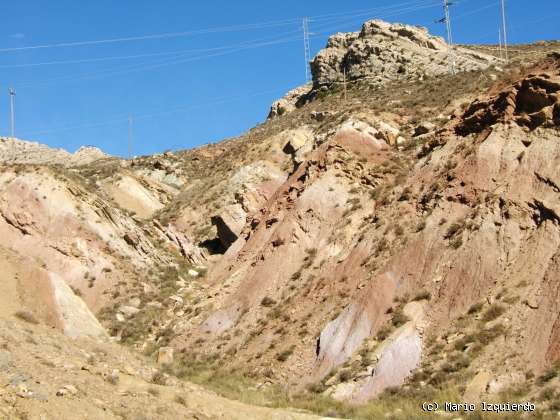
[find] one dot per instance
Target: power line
(371, 11)
(222, 29)
(126, 117)
(121, 57)
(180, 52)
(234, 28)
(491, 35)
(176, 60)
(473, 11)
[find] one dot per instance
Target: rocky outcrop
(383, 51)
(392, 362)
(531, 103)
(252, 186)
(229, 224)
(45, 298)
(15, 151)
(289, 102)
(193, 254)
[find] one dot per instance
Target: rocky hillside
(352, 256)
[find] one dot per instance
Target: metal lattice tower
(504, 27)
(307, 49)
(12, 94)
(500, 43)
(451, 53)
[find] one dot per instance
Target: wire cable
(222, 29)
(123, 118)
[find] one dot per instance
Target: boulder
(193, 253)
(129, 310)
(229, 224)
(289, 102)
(296, 142)
(134, 302)
(165, 356)
(424, 128)
(320, 115)
(503, 382)
(477, 387)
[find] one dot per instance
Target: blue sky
(203, 71)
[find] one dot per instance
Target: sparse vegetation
(285, 355)
(26, 316)
(268, 302)
(493, 312)
(476, 308)
(422, 295)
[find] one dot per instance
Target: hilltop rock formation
(383, 52)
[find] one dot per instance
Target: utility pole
(504, 26)
(130, 136)
(12, 94)
(307, 49)
(447, 18)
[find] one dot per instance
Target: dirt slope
(56, 377)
